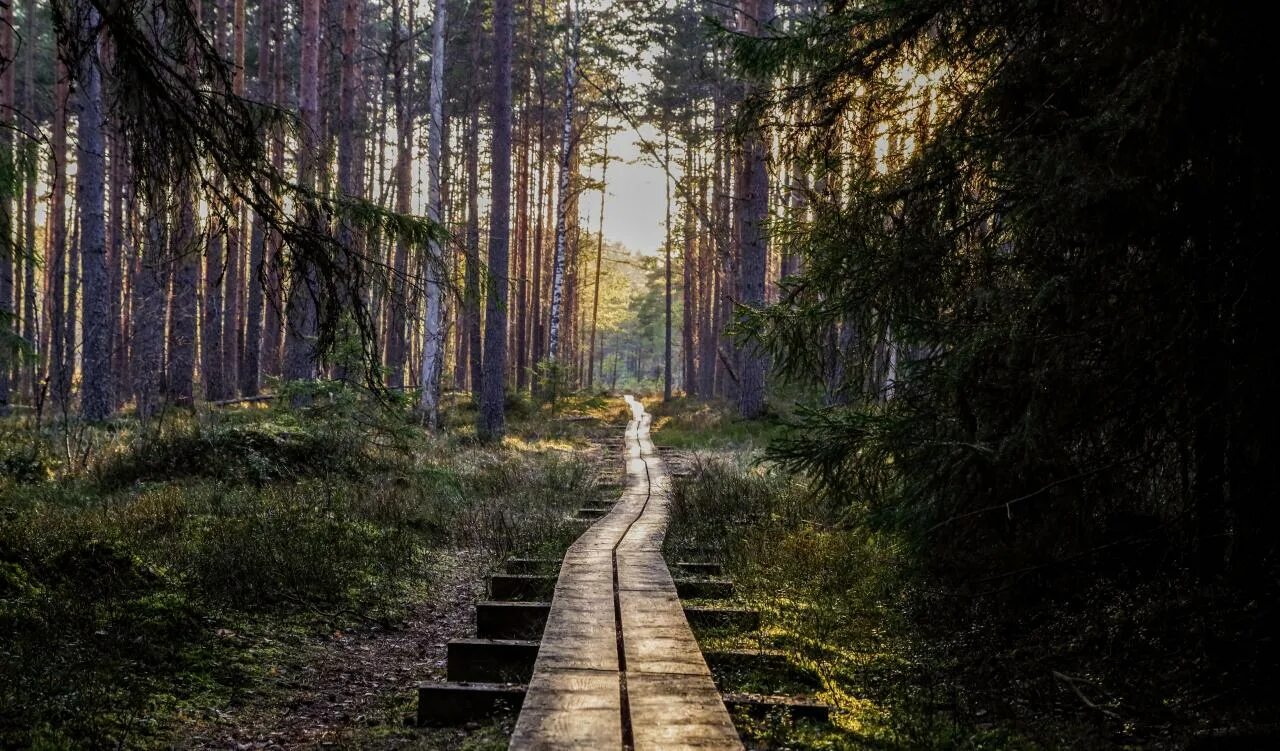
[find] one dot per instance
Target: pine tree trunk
(272, 269)
(91, 173)
(492, 418)
(233, 316)
(182, 301)
(256, 273)
(8, 306)
(666, 251)
(149, 286)
(689, 379)
(349, 152)
(753, 194)
(58, 376)
(30, 331)
(300, 356)
(402, 50)
(595, 296)
(471, 281)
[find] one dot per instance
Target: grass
(1099, 655)
(156, 573)
(683, 423)
(833, 596)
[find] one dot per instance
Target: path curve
(618, 666)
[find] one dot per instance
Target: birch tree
(563, 184)
(433, 327)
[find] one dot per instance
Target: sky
(635, 205)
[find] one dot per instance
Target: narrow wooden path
(618, 666)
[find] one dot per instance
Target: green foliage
(835, 598)
(686, 424)
(256, 453)
(1046, 318)
(24, 460)
(158, 581)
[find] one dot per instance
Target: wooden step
(521, 586)
(700, 568)
(704, 589)
(448, 704)
(531, 565)
(491, 660)
(511, 620)
(740, 619)
(592, 513)
(773, 665)
(763, 705)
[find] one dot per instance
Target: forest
(927, 336)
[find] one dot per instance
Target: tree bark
(300, 355)
(666, 252)
(493, 389)
(753, 194)
(402, 50)
(91, 172)
(595, 297)
(433, 327)
(58, 376)
(8, 244)
(558, 269)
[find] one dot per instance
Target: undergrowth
(123, 573)
(1108, 653)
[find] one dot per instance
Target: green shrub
(256, 453)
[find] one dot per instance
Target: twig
(1074, 684)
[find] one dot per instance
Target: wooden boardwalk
(618, 666)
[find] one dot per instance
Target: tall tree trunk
(666, 251)
(536, 330)
(91, 173)
(349, 126)
(30, 329)
(58, 375)
(233, 316)
(689, 376)
(563, 198)
(402, 50)
(433, 327)
(118, 226)
(211, 352)
(273, 265)
(753, 193)
(149, 287)
(256, 274)
(471, 282)
(595, 294)
(492, 419)
(300, 354)
(8, 242)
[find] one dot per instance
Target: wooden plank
(574, 699)
(678, 712)
(570, 709)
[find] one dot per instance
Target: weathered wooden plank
(570, 709)
(677, 712)
(575, 696)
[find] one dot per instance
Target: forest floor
(1115, 653)
(264, 578)
(260, 579)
